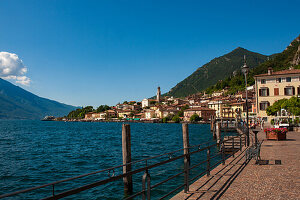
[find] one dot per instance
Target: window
(288, 79)
(298, 90)
(289, 91)
(278, 80)
(263, 105)
(263, 92)
(263, 81)
(276, 91)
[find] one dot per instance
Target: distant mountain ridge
(217, 69)
(17, 103)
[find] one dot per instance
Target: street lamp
(245, 70)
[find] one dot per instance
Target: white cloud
(12, 68)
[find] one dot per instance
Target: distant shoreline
(134, 121)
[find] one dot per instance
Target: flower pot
(276, 133)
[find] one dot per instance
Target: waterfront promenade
(238, 179)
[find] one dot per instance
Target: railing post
(208, 162)
(241, 143)
(185, 136)
(223, 153)
(245, 140)
(126, 150)
(53, 194)
(232, 146)
(146, 192)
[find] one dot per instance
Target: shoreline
(133, 121)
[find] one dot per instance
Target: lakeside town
(200, 108)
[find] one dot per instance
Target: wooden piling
(126, 149)
(214, 130)
(218, 132)
(211, 123)
(185, 137)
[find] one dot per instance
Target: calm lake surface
(35, 152)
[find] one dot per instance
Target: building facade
(274, 86)
(204, 113)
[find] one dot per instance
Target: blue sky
(104, 52)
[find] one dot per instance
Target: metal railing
(115, 173)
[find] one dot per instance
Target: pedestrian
(262, 125)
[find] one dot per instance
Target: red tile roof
(282, 72)
(200, 109)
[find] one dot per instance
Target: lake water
(35, 152)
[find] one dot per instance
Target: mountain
(217, 69)
(17, 103)
(287, 58)
(290, 57)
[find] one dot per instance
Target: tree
(292, 105)
(165, 119)
(276, 107)
(80, 112)
(176, 119)
(195, 118)
(102, 108)
(152, 102)
(131, 114)
(132, 102)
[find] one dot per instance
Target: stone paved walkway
(240, 180)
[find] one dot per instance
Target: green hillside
(17, 103)
(217, 69)
(289, 57)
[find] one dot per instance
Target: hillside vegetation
(289, 57)
(217, 69)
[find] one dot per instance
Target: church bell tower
(158, 95)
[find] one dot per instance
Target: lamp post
(245, 70)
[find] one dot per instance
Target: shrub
(195, 118)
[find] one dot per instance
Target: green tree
(131, 114)
(292, 105)
(152, 102)
(165, 119)
(195, 118)
(277, 106)
(176, 119)
(102, 108)
(80, 112)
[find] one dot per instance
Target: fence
(124, 172)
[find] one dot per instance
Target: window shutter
(260, 106)
(276, 91)
(285, 93)
(293, 91)
(267, 91)
(259, 92)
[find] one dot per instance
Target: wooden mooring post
(218, 132)
(186, 145)
(126, 149)
(211, 123)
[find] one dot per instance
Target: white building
(145, 103)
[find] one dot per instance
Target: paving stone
(238, 180)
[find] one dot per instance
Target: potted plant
(276, 133)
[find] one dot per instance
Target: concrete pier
(239, 179)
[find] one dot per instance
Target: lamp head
(245, 68)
